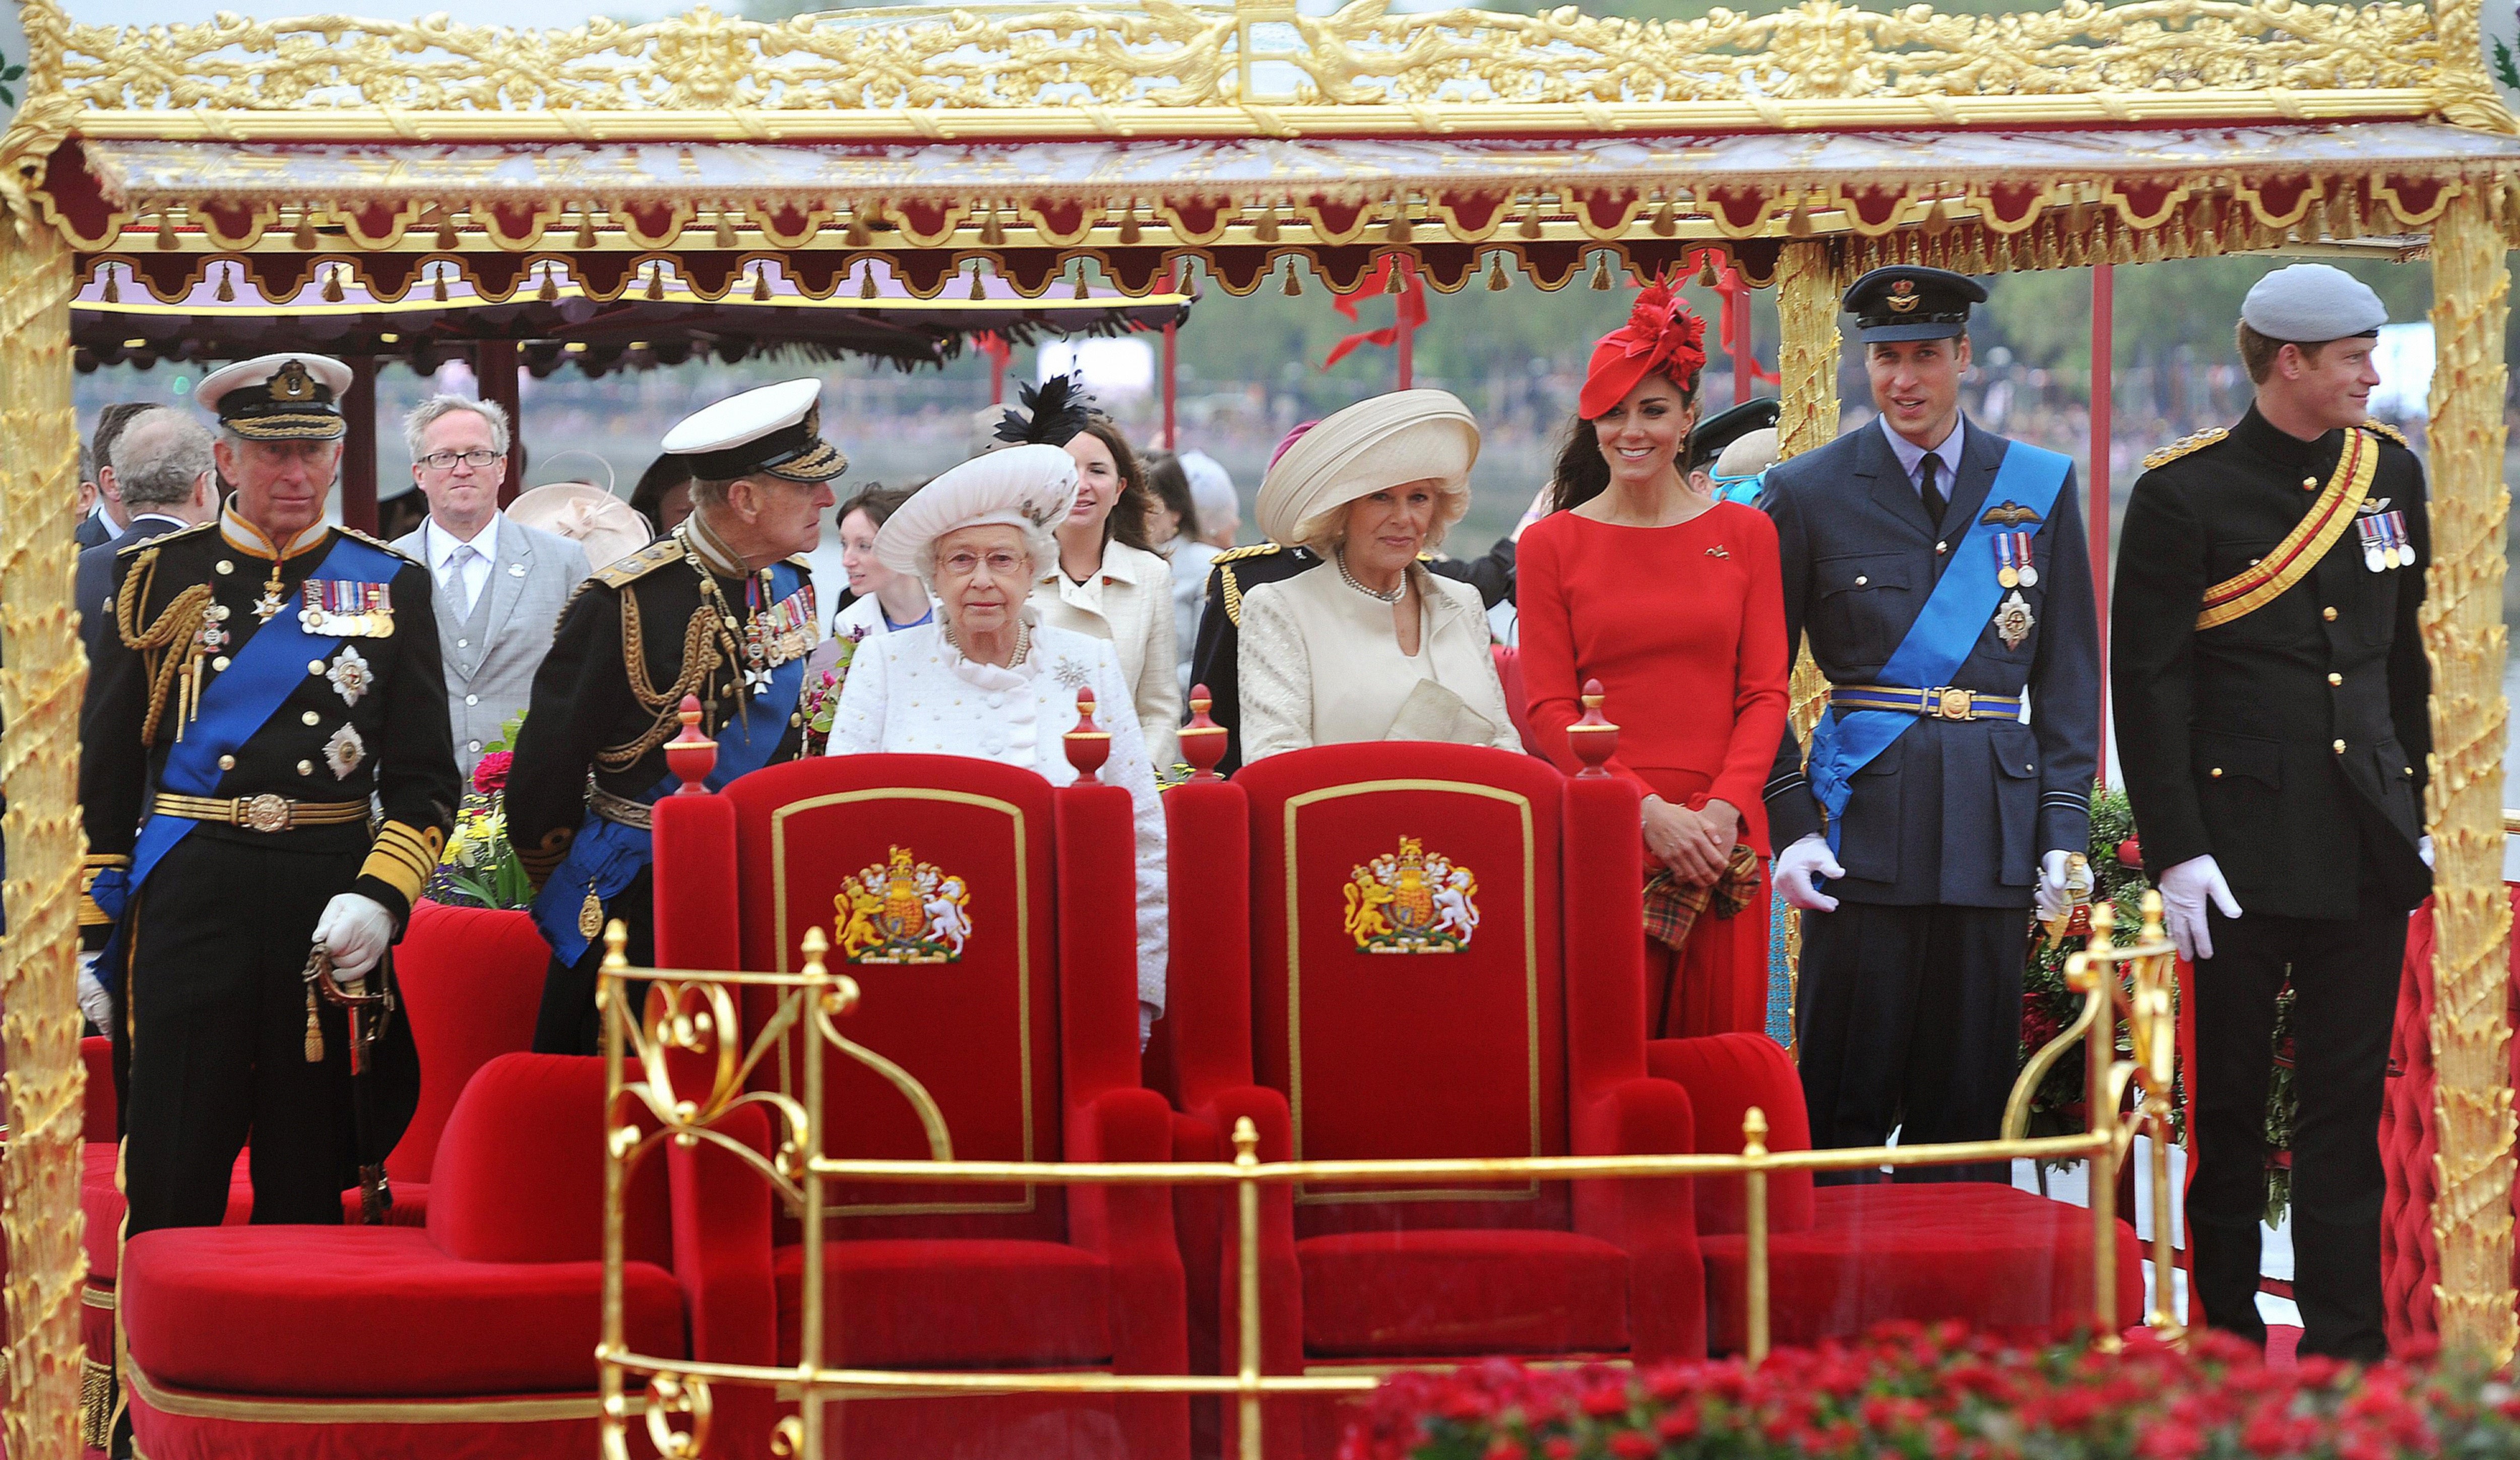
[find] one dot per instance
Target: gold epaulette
(162, 539)
(2193, 441)
(639, 564)
(800, 560)
(1224, 574)
(1236, 555)
(374, 540)
(2383, 428)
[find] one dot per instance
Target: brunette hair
(1583, 472)
(878, 501)
(1168, 487)
(1128, 518)
(662, 475)
(2258, 352)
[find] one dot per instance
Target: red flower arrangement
(490, 774)
(1909, 1392)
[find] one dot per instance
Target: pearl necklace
(1023, 643)
(1339, 556)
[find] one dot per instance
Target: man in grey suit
(501, 585)
(169, 483)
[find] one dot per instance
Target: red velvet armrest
(1132, 1229)
(722, 1258)
(1208, 995)
(99, 1118)
(1726, 1075)
(698, 914)
(1650, 1218)
(1211, 1235)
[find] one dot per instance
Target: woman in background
(1107, 580)
(1173, 523)
(880, 600)
(1674, 601)
(663, 495)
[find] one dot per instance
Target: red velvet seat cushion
(374, 1312)
(101, 1201)
(914, 1302)
(2008, 1261)
(1463, 1291)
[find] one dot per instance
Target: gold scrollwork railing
(691, 1019)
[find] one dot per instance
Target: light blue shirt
(1911, 457)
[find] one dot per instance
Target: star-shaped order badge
(343, 752)
(351, 675)
(1071, 673)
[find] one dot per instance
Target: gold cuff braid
(403, 858)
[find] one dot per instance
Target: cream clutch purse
(1432, 712)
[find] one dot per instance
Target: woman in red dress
(1673, 602)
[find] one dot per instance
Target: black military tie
(1934, 501)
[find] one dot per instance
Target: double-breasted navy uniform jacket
(1955, 812)
(2289, 743)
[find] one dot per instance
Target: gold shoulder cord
(700, 659)
(178, 624)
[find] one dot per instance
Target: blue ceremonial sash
(606, 856)
(1941, 639)
(243, 697)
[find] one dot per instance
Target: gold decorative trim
(190, 1404)
(788, 1084)
(1530, 1191)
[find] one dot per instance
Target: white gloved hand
(95, 1002)
(2425, 849)
(1795, 866)
(2053, 896)
(2183, 891)
(355, 931)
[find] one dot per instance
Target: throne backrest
(1408, 979)
(933, 878)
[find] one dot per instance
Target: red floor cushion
(2008, 1261)
(1471, 1291)
(973, 1303)
(101, 1202)
(373, 1311)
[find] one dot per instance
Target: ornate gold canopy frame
(1245, 143)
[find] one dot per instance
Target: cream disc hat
(1405, 436)
(776, 430)
(586, 514)
(292, 397)
(1030, 487)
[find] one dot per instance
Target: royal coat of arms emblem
(903, 911)
(1412, 900)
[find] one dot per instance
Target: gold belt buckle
(1955, 704)
(263, 813)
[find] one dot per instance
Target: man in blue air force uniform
(1939, 574)
(722, 608)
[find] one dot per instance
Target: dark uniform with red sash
(2270, 689)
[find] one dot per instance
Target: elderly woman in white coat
(1370, 646)
(987, 678)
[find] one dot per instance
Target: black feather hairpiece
(1053, 413)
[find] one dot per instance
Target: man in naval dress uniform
(264, 677)
(2271, 707)
(1939, 574)
(722, 608)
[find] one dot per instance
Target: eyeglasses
(1001, 564)
(444, 460)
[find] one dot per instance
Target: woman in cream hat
(607, 527)
(1372, 646)
(986, 678)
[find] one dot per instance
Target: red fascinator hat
(1661, 337)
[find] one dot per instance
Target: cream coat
(1321, 667)
(910, 691)
(1129, 602)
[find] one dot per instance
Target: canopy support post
(42, 675)
(494, 373)
(1807, 346)
(1746, 356)
(2463, 634)
(359, 445)
(2103, 401)
(1172, 364)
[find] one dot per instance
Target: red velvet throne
(1320, 988)
(471, 977)
(1022, 1026)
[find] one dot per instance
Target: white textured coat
(911, 692)
(1129, 602)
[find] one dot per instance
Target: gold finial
(2104, 926)
(1247, 1141)
(1754, 1131)
(616, 942)
(2152, 932)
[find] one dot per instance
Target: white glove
(1795, 866)
(2053, 896)
(354, 930)
(2425, 849)
(2183, 891)
(94, 1001)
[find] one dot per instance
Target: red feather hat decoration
(1661, 337)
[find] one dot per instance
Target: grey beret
(2312, 305)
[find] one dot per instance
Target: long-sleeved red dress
(1685, 627)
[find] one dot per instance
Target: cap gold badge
(1903, 297)
(293, 383)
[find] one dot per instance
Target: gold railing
(692, 1017)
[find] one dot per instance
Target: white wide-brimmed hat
(1029, 487)
(1405, 436)
(604, 525)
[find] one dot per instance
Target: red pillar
(359, 445)
(1405, 352)
(1745, 360)
(494, 367)
(2103, 307)
(1172, 364)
